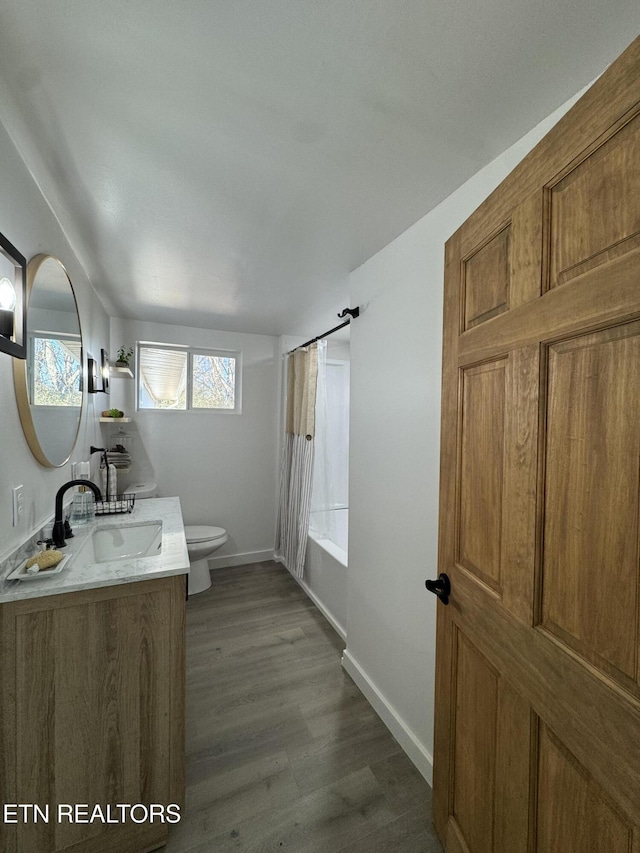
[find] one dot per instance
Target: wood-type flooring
(283, 751)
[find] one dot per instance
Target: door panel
(487, 280)
(581, 232)
(574, 814)
(476, 709)
(492, 743)
(590, 569)
(480, 470)
(537, 700)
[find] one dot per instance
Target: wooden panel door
(538, 666)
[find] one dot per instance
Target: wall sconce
(13, 318)
(104, 370)
(92, 376)
(98, 378)
(7, 307)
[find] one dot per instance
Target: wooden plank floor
(283, 751)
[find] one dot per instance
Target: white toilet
(202, 541)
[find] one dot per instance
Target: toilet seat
(203, 533)
(142, 490)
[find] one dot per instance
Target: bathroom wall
(27, 221)
(222, 466)
(394, 469)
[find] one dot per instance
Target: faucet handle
(47, 542)
(68, 532)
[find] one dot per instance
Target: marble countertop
(173, 558)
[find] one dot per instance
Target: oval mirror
(48, 383)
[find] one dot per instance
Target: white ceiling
(225, 163)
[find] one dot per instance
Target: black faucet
(58, 534)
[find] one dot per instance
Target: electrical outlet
(18, 505)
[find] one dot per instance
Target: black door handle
(441, 587)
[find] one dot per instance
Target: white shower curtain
(297, 459)
(323, 519)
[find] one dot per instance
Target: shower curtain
(323, 474)
(297, 459)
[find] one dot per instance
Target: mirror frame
(20, 372)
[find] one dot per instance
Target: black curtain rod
(354, 312)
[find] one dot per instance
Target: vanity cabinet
(93, 713)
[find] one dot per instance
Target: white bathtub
(325, 568)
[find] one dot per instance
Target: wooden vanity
(93, 715)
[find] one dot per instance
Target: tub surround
(172, 560)
(325, 569)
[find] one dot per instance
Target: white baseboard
(416, 751)
(240, 559)
(328, 615)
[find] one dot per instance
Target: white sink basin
(110, 542)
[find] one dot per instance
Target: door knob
(441, 587)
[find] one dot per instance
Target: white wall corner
(417, 752)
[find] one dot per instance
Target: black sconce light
(92, 376)
(104, 370)
(13, 318)
(98, 377)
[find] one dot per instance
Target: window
(55, 369)
(185, 378)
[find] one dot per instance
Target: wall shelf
(115, 420)
(120, 372)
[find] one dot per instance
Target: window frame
(190, 352)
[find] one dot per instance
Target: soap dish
(20, 574)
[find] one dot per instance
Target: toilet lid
(202, 533)
(142, 489)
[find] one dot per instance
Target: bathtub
(325, 568)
